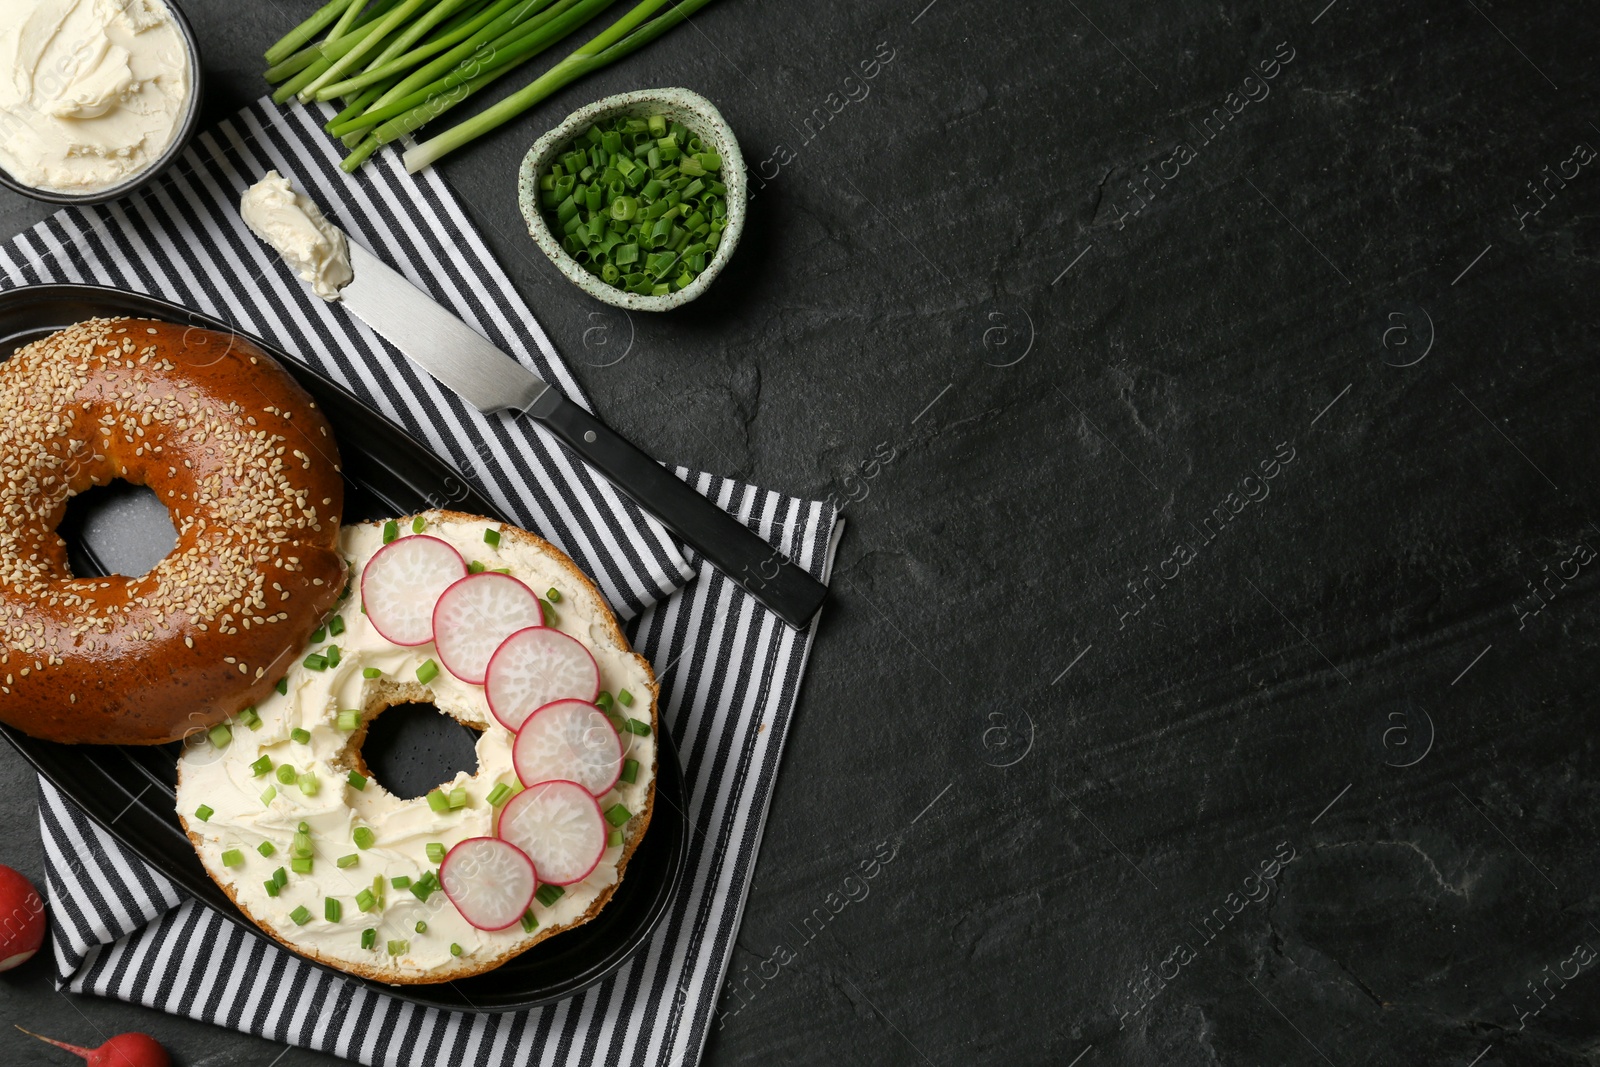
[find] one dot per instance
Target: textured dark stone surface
(1048, 902)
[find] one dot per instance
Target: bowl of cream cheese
(96, 96)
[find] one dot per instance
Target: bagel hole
(116, 528)
(412, 747)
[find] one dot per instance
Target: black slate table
(1211, 390)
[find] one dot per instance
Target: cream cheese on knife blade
(91, 91)
(295, 227)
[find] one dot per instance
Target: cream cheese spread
(294, 226)
(224, 781)
(92, 92)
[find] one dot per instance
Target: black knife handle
(763, 571)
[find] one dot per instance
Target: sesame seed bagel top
(248, 469)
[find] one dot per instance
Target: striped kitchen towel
(730, 671)
(181, 239)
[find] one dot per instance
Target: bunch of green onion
(395, 65)
(637, 202)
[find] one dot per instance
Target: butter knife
(490, 380)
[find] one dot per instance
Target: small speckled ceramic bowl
(677, 105)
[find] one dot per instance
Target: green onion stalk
(624, 36)
(301, 35)
(465, 54)
(404, 60)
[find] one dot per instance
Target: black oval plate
(130, 791)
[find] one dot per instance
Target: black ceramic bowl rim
(180, 139)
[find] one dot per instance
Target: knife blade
(490, 380)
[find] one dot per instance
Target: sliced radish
(475, 615)
(491, 882)
(535, 667)
(401, 583)
(569, 739)
(559, 825)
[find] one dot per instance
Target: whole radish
(124, 1050)
(21, 919)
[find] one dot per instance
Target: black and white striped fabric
(181, 238)
(730, 671)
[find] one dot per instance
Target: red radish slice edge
(491, 882)
(401, 583)
(559, 825)
(475, 615)
(534, 667)
(569, 739)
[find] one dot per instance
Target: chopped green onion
(261, 766)
(301, 915)
(436, 852)
(423, 887)
(418, 523)
(283, 686)
(529, 923)
(365, 900)
(268, 795)
(616, 815)
(553, 595)
(438, 801)
(309, 783)
(357, 779)
(316, 662)
(498, 794)
(220, 735)
(332, 654)
(549, 894)
(614, 838)
(427, 672)
(458, 798)
(319, 635)
(300, 736)
(271, 887)
(332, 910)
(249, 717)
(549, 613)
(369, 936)
(280, 876)
(625, 697)
(286, 774)
(630, 771)
(455, 949)
(491, 538)
(300, 864)
(364, 837)
(300, 846)
(402, 881)
(371, 672)
(475, 567)
(336, 625)
(391, 530)
(349, 720)
(266, 848)
(232, 857)
(347, 861)
(204, 812)
(399, 947)
(603, 701)
(422, 926)
(637, 726)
